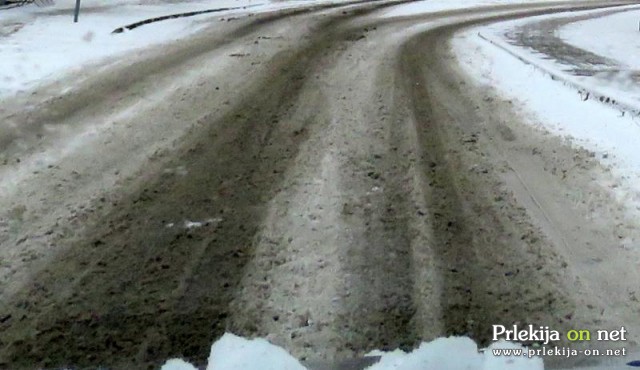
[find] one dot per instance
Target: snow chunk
(232, 352)
(455, 353)
(177, 364)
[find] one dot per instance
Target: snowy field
(41, 44)
(617, 35)
(555, 104)
(429, 6)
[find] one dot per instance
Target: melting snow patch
(232, 352)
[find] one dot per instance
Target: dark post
(75, 16)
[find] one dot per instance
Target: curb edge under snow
(583, 90)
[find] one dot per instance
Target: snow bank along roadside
(617, 36)
(39, 44)
(557, 107)
(43, 44)
(612, 84)
(455, 353)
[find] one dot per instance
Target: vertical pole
(77, 12)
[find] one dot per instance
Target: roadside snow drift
(586, 123)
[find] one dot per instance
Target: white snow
(178, 364)
(231, 352)
(559, 108)
(46, 46)
(617, 35)
(612, 81)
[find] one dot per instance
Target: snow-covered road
(42, 45)
(329, 178)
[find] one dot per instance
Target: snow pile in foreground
(455, 353)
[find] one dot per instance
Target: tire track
(496, 265)
(122, 284)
